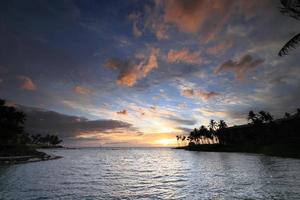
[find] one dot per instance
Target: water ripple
(141, 173)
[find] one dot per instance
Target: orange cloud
(82, 90)
(240, 67)
(131, 73)
(191, 16)
(191, 93)
(122, 112)
(27, 83)
(183, 55)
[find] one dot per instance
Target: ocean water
(152, 173)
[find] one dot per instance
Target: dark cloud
(45, 121)
(240, 67)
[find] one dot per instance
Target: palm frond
(291, 8)
(291, 44)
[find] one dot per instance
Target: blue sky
(161, 67)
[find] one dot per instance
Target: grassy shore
(281, 150)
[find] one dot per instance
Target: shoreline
(25, 155)
(39, 156)
(278, 150)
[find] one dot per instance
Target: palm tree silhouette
(178, 138)
(287, 115)
(252, 117)
(212, 125)
(265, 116)
(292, 9)
(222, 124)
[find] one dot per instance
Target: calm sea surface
(152, 173)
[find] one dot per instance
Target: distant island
(263, 135)
(16, 145)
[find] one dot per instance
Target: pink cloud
(27, 83)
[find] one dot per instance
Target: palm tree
(222, 124)
(219, 133)
(291, 8)
(252, 117)
(203, 134)
(212, 125)
(265, 116)
(54, 140)
(11, 125)
(183, 139)
(287, 115)
(178, 137)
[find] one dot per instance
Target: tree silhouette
(178, 138)
(11, 125)
(260, 132)
(252, 117)
(287, 115)
(212, 125)
(204, 134)
(265, 116)
(292, 9)
(222, 125)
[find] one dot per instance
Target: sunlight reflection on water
(152, 173)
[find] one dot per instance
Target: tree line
(261, 128)
(12, 129)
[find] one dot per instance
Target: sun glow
(166, 142)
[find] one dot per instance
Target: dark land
(17, 146)
(262, 135)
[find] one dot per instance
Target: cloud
(240, 67)
(220, 48)
(82, 90)
(183, 55)
(122, 112)
(131, 73)
(27, 83)
(45, 121)
(154, 21)
(192, 93)
(207, 17)
(191, 16)
(135, 18)
(183, 121)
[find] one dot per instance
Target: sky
(137, 73)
